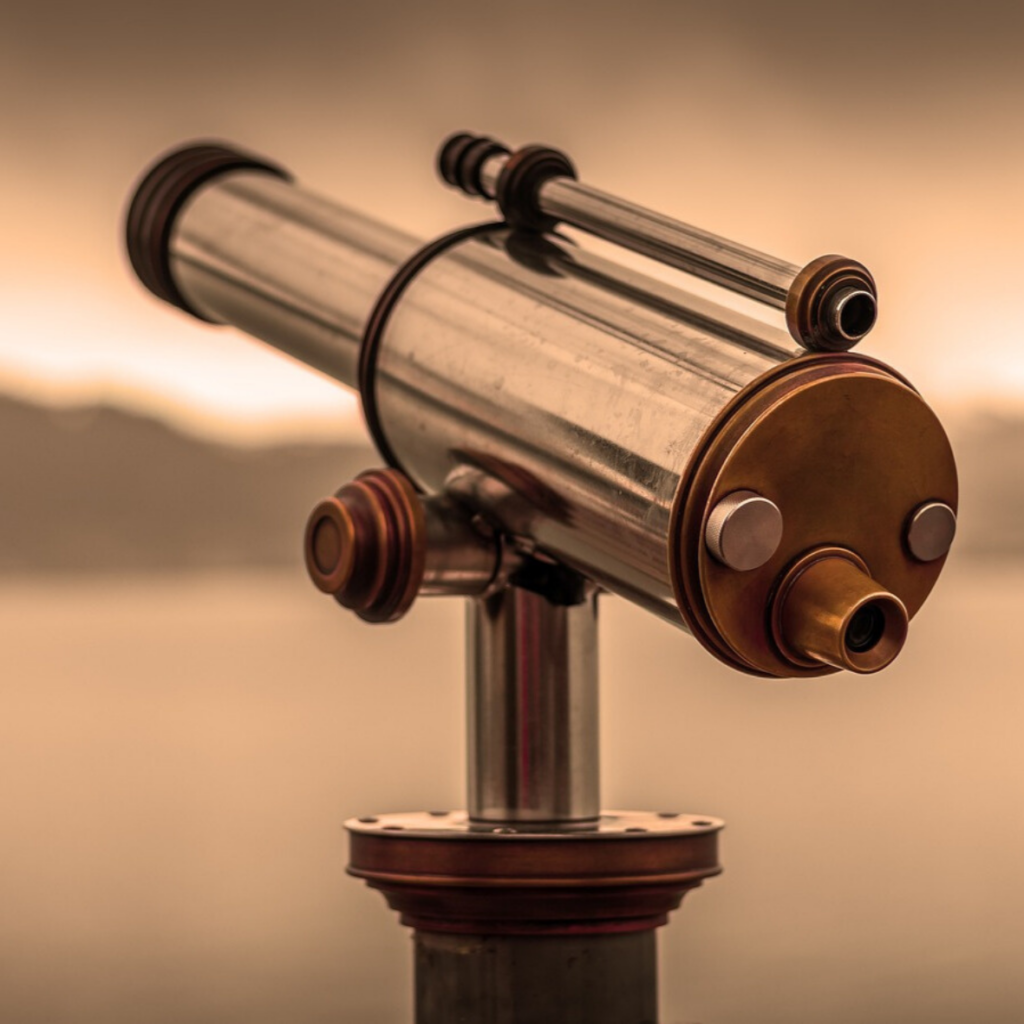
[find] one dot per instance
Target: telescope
(555, 425)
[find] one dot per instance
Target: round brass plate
(443, 873)
(847, 450)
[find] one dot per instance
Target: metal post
(533, 766)
(532, 710)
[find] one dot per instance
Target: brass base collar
(443, 873)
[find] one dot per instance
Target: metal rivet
(744, 530)
(394, 828)
(930, 531)
(368, 821)
(668, 814)
(701, 823)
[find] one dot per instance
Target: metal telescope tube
(302, 274)
(596, 416)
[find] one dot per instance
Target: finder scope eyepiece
(543, 407)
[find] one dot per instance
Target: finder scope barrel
(791, 510)
(830, 304)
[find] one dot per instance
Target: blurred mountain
(101, 489)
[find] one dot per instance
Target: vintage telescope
(555, 425)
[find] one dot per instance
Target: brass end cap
(847, 451)
(829, 611)
(366, 545)
(832, 304)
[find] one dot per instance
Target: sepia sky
(887, 132)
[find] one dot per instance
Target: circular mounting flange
(443, 872)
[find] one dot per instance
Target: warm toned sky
(888, 132)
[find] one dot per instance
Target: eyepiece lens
(865, 629)
(857, 316)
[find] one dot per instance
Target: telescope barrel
(670, 241)
(830, 304)
(593, 415)
(716, 259)
(237, 243)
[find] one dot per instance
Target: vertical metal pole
(532, 710)
(533, 766)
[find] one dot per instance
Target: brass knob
(366, 545)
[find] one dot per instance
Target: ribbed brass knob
(366, 545)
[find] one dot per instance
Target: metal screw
(930, 531)
(744, 530)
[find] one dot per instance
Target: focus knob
(366, 545)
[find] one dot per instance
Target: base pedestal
(535, 927)
(517, 979)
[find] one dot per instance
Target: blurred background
(185, 723)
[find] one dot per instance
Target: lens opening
(857, 314)
(865, 629)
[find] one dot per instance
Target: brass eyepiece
(830, 611)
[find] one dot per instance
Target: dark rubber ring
(374, 333)
(521, 178)
(450, 154)
(472, 161)
(158, 199)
